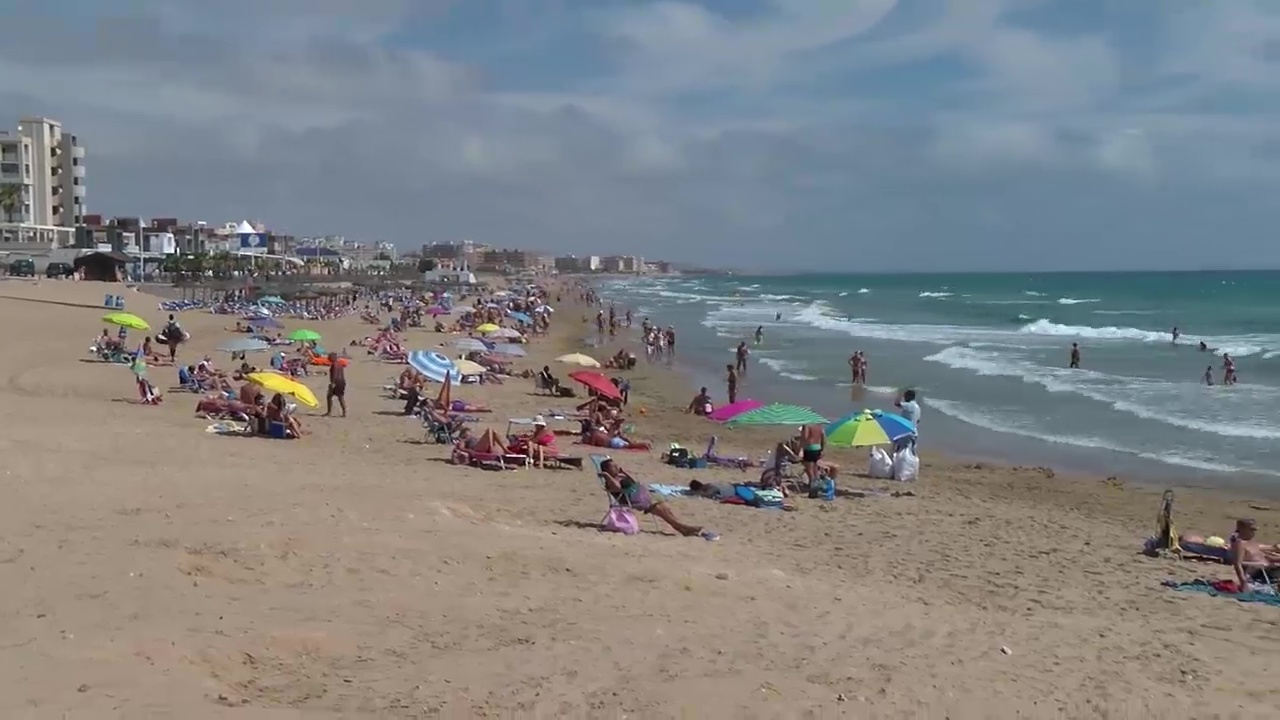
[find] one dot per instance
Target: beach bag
(678, 456)
(906, 466)
(881, 464)
(621, 520)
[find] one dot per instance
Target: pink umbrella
(437, 310)
(732, 410)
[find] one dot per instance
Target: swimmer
(1203, 347)
(1208, 375)
(1175, 334)
(1075, 356)
(778, 316)
(759, 334)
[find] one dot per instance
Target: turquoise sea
(989, 352)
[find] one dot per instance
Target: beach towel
(669, 490)
(227, 427)
(1225, 588)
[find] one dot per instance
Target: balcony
(78, 152)
(78, 191)
(77, 171)
(55, 152)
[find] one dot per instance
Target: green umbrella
(777, 414)
(304, 335)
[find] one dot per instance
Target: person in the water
(1175, 334)
(759, 334)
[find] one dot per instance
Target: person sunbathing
(277, 411)
(598, 437)
(626, 491)
(469, 445)
(148, 353)
(539, 444)
(1249, 558)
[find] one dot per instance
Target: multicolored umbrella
(597, 382)
(777, 414)
(868, 427)
(434, 366)
(732, 410)
(126, 320)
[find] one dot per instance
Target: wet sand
(154, 570)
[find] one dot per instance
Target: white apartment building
(48, 165)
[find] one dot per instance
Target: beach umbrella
(436, 310)
(597, 382)
(470, 344)
(777, 414)
(266, 322)
(126, 320)
(522, 318)
(579, 359)
(273, 382)
(487, 328)
(304, 335)
(433, 366)
(865, 428)
(732, 410)
(271, 300)
(244, 345)
(506, 333)
(466, 367)
(509, 350)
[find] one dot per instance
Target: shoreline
(962, 436)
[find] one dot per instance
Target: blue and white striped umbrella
(432, 365)
(511, 350)
(470, 344)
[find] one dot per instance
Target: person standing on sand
(813, 440)
(1074, 362)
(337, 385)
(732, 382)
(742, 353)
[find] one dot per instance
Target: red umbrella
(597, 382)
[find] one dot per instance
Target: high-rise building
(48, 166)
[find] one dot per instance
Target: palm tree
(10, 200)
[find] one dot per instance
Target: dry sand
(153, 570)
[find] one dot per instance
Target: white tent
(244, 228)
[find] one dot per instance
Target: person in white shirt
(910, 409)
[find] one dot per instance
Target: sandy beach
(156, 570)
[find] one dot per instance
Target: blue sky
(866, 134)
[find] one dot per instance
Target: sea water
(988, 353)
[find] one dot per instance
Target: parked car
(22, 268)
(58, 270)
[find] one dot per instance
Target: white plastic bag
(906, 466)
(881, 464)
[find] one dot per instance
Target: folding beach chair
(614, 502)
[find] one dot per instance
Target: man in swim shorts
(337, 385)
(813, 440)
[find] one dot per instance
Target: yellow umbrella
(487, 328)
(579, 359)
(274, 382)
(128, 320)
(466, 367)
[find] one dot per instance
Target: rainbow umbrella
(868, 427)
(777, 414)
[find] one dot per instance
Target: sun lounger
(597, 461)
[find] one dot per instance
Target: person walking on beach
(1074, 363)
(337, 385)
(731, 381)
(742, 353)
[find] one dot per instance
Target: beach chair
(596, 461)
(147, 393)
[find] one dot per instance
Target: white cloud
(809, 124)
